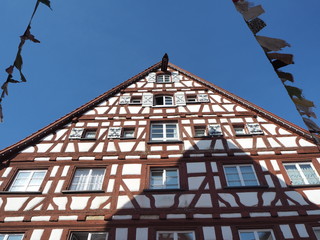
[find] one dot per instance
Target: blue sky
(88, 47)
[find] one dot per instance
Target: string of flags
(271, 46)
(18, 61)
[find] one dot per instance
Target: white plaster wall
(313, 196)
(15, 203)
(79, 203)
(56, 234)
(164, 201)
(98, 201)
(37, 234)
(249, 199)
(131, 169)
(204, 201)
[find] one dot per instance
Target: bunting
(271, 46)
(18, 61)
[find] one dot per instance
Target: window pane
(90, 134)
(28, 180)
(168, 100)
(248, 176)
(294, 175)
(87, 179)
(309, 174)
(171, 131)
(247, 236)
(98, 236)
(232, 176)
(15, 237)
(265, 235)
(185, 236)
(165, 236)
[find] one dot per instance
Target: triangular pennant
(278, 64)
(9, 70)
(294, 91)
(272, 44)
(18, 61)
(286, 58)
(305, 111)
(46, 2)
(253, 12)
(312, 126)
(256, 25)
(303, 102)
(284, 76)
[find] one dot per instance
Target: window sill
(303, 186)
(165, 106)
(165, 142)
(165, 190)
(206, 137)
(127, 138)
(81, 191)
(20, 193)
(246, 187)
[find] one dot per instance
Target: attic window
(135, 100)
(163, 78)
(191, 98)
(81, 133)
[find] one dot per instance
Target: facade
(164, 155)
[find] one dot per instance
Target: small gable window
(81, 133)
(128, 133)
(89, 134)
(163, 78)
(200, 131)
(163, 100)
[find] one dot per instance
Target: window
(191, 98)
(199, 131)
(240, 175)
(27, 181)
(256, 235)
(175, 235)
(164, 131)
(11, 236)
(81, 133)
(164, 178)
(249, 128)
(128, 133)
(163, 101)
(89, 236)
(302, 173)
(239, 130)
(89, 134)
(163, 78)
(87, 179)
(317, 233)
(135, 100)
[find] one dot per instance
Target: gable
(181, 98)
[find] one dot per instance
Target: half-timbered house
(164, 155)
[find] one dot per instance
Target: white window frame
(302, 175)
(164, 100)
(164, 177)
(175, 234)
(200, 128)
(164, 132)
(255, 232)
(26, 184)
(89, 237)
(7, 235)
(242, 182)
(163, 78)
(87, 181)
